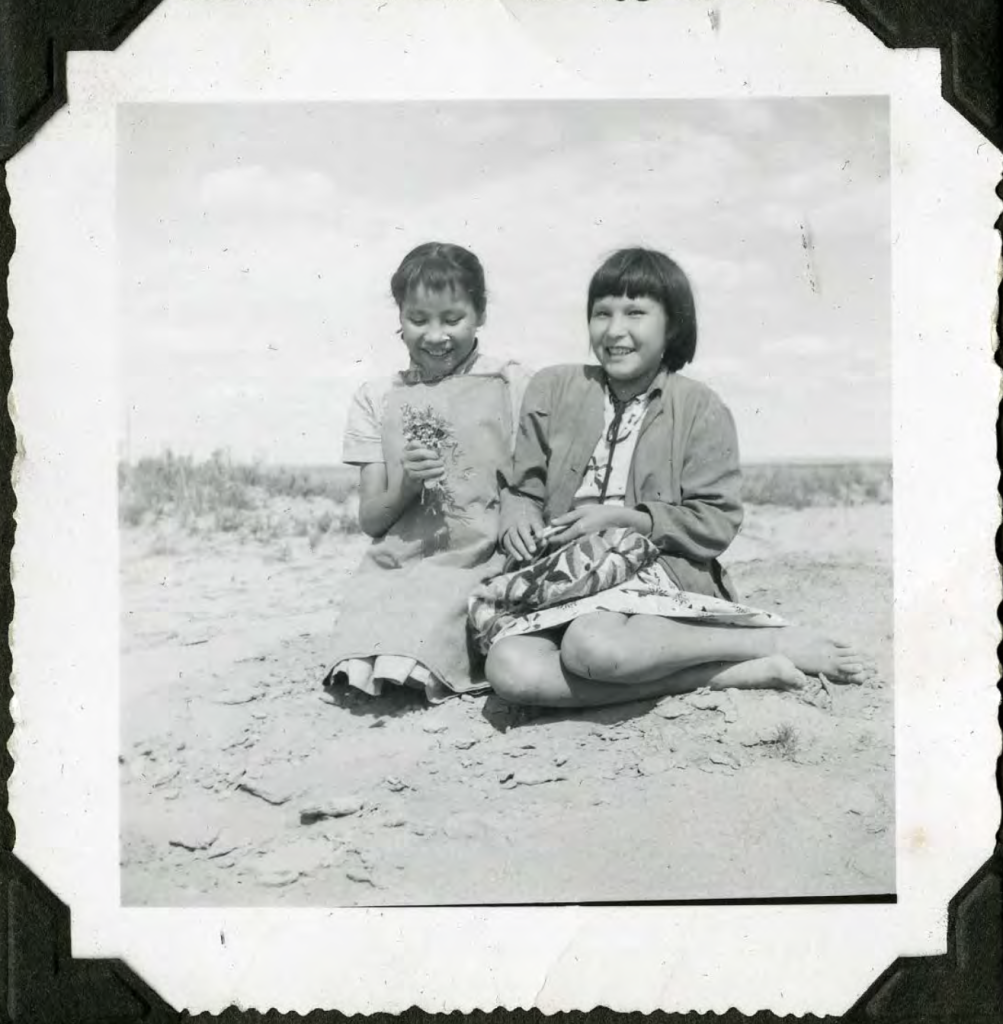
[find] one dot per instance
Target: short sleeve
(363, 442)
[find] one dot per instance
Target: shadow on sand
(400, 701)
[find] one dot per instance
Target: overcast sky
(257, 243)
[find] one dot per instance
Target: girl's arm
(586, 519)
(525, 485)
(382, 502)
(709, 515)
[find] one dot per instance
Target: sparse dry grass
(251, 501)
(271, 504)
(804, 485)
(786, 743)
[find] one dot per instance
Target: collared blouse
(684, 468)
(606, 474)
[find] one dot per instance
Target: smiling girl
(430, 443)
(632, 443)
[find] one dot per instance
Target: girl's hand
(580, 522)
(421, 465)
(522, 542)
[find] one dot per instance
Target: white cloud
(261, 295)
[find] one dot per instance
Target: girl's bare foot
(816, 654)
(775, 672)
(782, 672)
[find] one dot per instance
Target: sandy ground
(243, 783)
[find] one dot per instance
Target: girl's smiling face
(628, 337)
(439, 328)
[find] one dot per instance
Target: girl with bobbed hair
(625, 490)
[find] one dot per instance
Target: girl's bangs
(435, 277)
(635, 279)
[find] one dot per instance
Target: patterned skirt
(616, 570)
(650, 592)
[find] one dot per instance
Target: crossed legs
(611, 658)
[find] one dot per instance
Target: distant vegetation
(253, 500)
(273, 502)
(807, 485)
(799, 485)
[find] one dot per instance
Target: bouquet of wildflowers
(433, 431)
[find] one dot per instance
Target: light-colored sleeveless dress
(404, 617)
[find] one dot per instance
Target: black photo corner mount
(39, 979)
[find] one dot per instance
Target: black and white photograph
(505, 510)
(505, 501)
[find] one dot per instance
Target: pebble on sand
(277, 877)
(357, 867)
(267, 791)
(672, 709)
(724, 758)
(223, 846)
(194, 835)
(359, 875)
(167, 774)
(530, 777)
(754, 735)
(705, 701)
(235, 696)
(288, 863)
(335, 807)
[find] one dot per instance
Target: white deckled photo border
(65, 403)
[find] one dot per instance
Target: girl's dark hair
(439, 267)
(647, 273)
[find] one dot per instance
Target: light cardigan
(684, 473)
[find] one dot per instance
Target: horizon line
(803, 460)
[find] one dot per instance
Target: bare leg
(615, 648)
(529, 670)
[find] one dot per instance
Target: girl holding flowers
(631, 466)
(431, 443)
